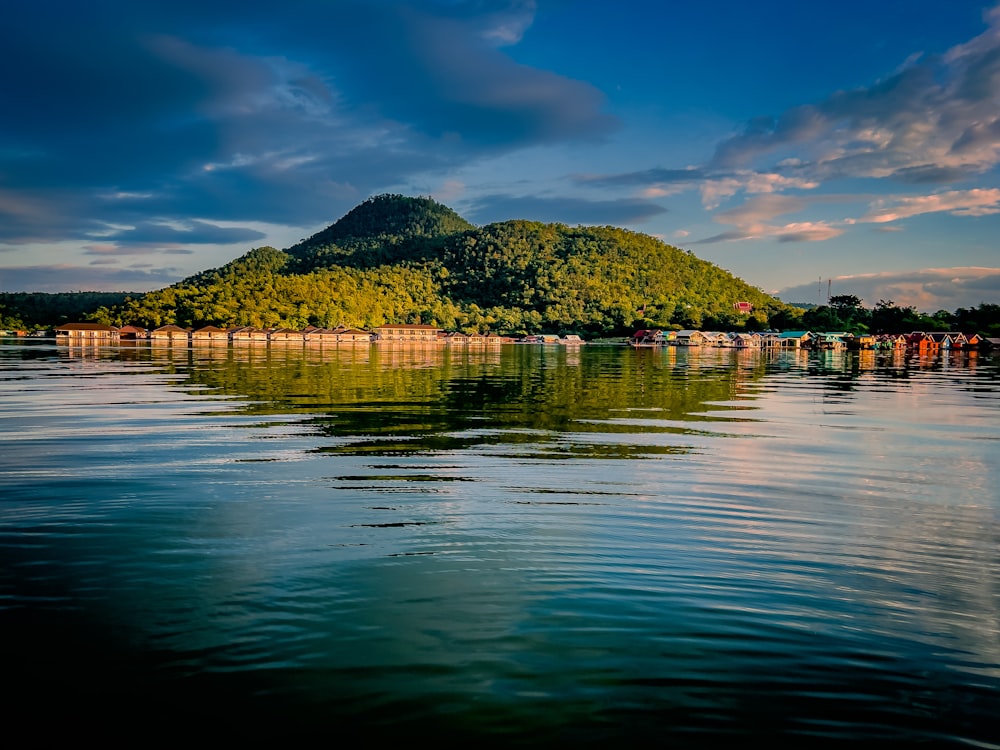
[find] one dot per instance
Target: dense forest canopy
(387, 218)
(383, 230)
(396, 259)
(411, 260)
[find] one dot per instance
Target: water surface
(541, 545)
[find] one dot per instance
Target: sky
(809, 148)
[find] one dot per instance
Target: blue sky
(806, 147)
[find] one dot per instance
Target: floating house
(87, 333)
(648, 337)
(132, 333)
(861, 342)
(249, 335)
(540, 338)
(829, 341)
(285, 336)
(745, 341)
(170, 334)
(890, 341)
(690, 338)
(410, 332)
(921, 343)
(211, 335)
(794, 339)
(314, 335)
(344, 335)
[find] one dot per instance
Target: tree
(823, 318)
(786, 320)
(853, 316)
(844, 302)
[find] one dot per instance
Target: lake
(534, 545)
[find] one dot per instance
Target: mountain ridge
(398, 259)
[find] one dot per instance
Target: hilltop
(397, 259)
(383, 230)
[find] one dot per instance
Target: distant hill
(397, 259)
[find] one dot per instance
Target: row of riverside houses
(917, 341)
(93, 333)
(741, 340)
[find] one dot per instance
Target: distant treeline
(846, 312)
(34, 311)
(37, 310)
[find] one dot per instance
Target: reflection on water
(522, 543)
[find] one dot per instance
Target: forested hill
(396, 259)
(384, 229)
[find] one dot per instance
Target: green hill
(395, 259)
(384, 229)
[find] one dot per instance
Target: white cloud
(753, 220)
(509, 26)
(935, 120)
(714, 191)
(660, 191)
(802, 231)
(807, 231)
(760, 208)
(979, 202)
